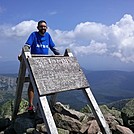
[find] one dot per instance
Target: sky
(99, 33)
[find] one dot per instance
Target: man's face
(42, 27)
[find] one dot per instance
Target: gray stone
(123, 130)
(4, 123)
(66, 122)
(60, 108)
(41, 128)
(22, 124)
(62, 131)
(94, 127)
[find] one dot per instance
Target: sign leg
(47, 115)
(96, 111)
(20, 82)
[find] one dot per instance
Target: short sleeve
(30, 39)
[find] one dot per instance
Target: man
(39, 43)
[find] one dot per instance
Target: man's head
(42, 27)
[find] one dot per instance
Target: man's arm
(55, 51)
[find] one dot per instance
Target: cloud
(88, 38)
(92, 48)
(116, 40)
(22, 29)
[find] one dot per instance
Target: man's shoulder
(33, 34)
(47, 33)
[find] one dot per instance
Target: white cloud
(93, 48)
(87, 38)
(22, 29)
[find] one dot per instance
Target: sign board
(56, 74)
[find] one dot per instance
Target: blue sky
(100, 33)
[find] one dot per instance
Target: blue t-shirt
(40, 44)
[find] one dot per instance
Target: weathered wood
(27, 79)
(47, 115)
(20, 80)
(68, 53)
(19, 88)
(53, 99)
(96, 111)
(42, 55)
(56, 74)
(54, 96)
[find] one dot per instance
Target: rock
(4, 123)
(30, 130)
(84, 128)
(41, 128)
(10, 130)
(66, 122)
(94, 127)
(60, 108)
(22, 124)
(111, 120)
(123, 130)
(62, 131)
(85, 122)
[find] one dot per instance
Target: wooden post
(96, 111)
(19, 88)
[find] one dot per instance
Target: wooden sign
(56, 74)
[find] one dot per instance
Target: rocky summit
(68, 121)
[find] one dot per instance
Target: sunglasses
(43, 26)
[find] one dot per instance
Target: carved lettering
(55, 74)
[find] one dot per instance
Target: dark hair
(41, 21)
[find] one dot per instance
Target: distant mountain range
(107, 86)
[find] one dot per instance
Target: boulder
(123, 130)
(22, 124)
(60, 108)
(94, 127)
(4, 123)
(66, 122)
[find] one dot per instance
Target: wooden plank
(96, 111)
(20, 82)
(54, 96)
(47, 115)
(53, 99)
(68, 53)
(27, 79)
(56, 74)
